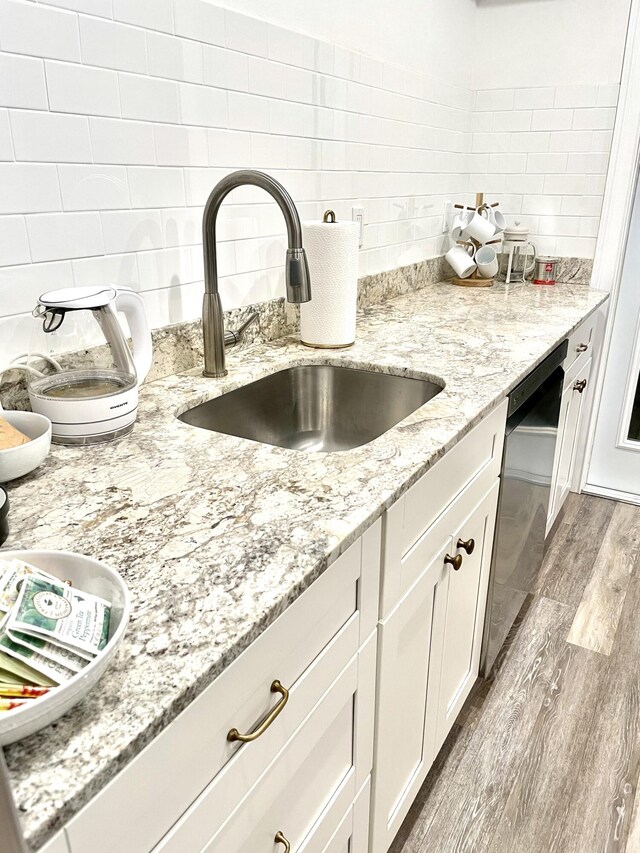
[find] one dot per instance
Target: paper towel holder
(329, 216)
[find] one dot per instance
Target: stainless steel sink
(314, 407)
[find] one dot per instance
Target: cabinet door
(460, 602)
(570, 414)
(403, 671)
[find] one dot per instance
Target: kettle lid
(516, 232)
(78, 297)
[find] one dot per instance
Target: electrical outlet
(357, 215)
(448, 215)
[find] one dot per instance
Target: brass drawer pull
(280, 839)
(276, 687)
(580, 386)
(468, 546)
(582, 347)
(456, 561)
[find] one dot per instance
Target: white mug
(460, 223)
(461, 261)
(493, 215)
(480, 228)
(487, 261)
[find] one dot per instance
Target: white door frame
(616, 212)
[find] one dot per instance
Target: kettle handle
(132, 306)
(528, 269)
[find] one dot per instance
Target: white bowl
(91, 576)
(18, 461)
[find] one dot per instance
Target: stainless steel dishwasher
(523, 504)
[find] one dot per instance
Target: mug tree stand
(473, 280)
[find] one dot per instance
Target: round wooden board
(472, 282)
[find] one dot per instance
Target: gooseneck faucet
(297, 270)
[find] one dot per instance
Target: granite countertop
(216, 535)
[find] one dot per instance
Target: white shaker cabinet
(430, 639)
(576, 401)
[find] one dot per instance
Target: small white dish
(91, 576)
(18, 461)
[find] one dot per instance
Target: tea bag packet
(11, 573)
(32, 661)
(51, 651)
(60, 614)
(17, 672)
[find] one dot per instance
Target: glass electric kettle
(81, 374)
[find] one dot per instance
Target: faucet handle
(297, 275)
(234, 336)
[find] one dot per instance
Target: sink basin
(314, 407)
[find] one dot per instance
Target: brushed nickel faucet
(297, 270)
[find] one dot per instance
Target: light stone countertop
(216, 535)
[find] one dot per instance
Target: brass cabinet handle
(468, 546)
(456, 561)
(580, 386)
(280, 839)
(276, 687)
(582, 347)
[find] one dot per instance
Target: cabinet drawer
(581, 341)
(313, 774)
(133, 814)
(473, 466)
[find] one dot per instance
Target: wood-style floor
(545, 758)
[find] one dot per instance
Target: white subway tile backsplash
(20, 287)
(93, 187)
(545, 163)
(77, 89)
(149, 99)
(225, 69)
(182, 226)
(570, 140)
(38, 31)
(6, 143)
(541, 98)
(181, 146)
(118, 141)
(552, 119)
(199, 20)
(495, 99)
(119, 270)
(152, 14)
(14, 244)
(102, 8)
(585, 205)
(112, 45)
(156, 187)
(31, 188)
(22, 82)
(608, 95)
(144, 122)
(600, 118)
(228, 147)
(131, 230)
(203, 105)
(536, 141)
(576, 96)
(248, 112)
(248, 35)
(174, 58)
(50, 137)
(267, 78)
(56, 236)
(578, 247)
(512, 120)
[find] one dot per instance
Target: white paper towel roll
(329, 319)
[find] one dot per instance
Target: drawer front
(581, 342)
(131, 814)
(314, 767)
(473, 463)
(57, 844)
